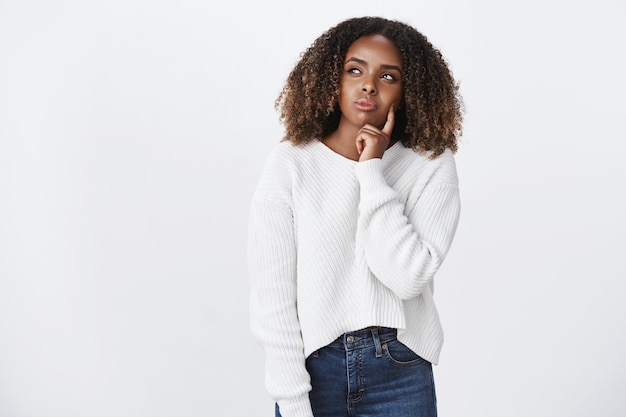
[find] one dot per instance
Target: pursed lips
(365, 104)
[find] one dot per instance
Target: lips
(365, 104)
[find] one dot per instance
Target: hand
(372, 142)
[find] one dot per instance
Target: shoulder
(287, 154)
(279, 169)
(445, 167)
(281, 154)
(280, 159)
(287, 159)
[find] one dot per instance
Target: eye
(389, 77)
(353, 70)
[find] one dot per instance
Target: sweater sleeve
(405, 246)
(273, 309)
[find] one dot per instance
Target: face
(371, 81)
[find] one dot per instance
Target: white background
(131, 137)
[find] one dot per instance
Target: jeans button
(349, 339)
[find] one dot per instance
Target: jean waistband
(371, 336)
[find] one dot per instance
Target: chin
(373, 121)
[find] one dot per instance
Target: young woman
(353, 214)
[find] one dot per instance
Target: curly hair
(431, 116)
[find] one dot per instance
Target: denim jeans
(369, 373)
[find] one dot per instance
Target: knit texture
(337, 245)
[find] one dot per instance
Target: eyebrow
(385, 66)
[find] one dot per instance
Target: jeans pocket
(400, 355)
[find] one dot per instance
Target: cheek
(396, 100)
(346, 86)
(344, 95)
(399, 99)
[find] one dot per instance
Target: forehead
(375, 48)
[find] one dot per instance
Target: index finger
(391, 118)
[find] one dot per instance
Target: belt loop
(379, 349)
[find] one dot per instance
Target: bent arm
(404, 247)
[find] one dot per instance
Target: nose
(369, 86)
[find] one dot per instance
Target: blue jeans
(370, 373)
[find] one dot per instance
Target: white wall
(131, 136)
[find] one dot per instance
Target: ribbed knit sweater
(337, 245)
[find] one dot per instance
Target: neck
(345, 148)
(343, 140)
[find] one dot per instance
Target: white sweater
(337, 245)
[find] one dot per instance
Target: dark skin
(371, 90)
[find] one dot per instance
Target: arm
(405, 252)
(273, 313)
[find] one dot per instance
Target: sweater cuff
(371, 179)
(300, 407)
